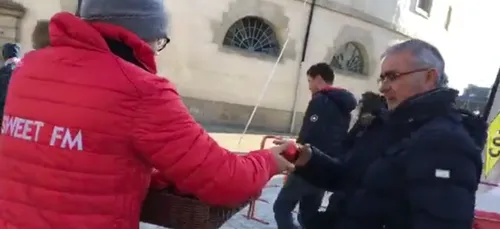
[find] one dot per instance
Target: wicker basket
(169, 210)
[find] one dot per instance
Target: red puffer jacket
(83, 129)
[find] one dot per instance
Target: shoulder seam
(125, 74)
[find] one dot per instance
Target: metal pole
(78, 6)
(295, 98)
(487, 115)
(303, 57)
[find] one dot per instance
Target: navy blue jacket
(327, 119)
(418, 168)
(8, 51)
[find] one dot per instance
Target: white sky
(474, 28)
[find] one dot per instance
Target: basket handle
(158, 182)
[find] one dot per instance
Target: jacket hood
(342, 97)
(11, 50)
(476, 126)
(67, 30)
(372, 103)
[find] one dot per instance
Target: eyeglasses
(392, 75)
(162, 43)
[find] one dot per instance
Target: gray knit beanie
(146, 18)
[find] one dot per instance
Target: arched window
(252, 34)
(349, 58)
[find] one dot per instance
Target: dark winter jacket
(371, 104)
(419, 168)
(362, 133)
(10, 52)
(327, 119)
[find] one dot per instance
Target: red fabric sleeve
(189, 158)
(158, 181)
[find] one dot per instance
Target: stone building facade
(222, 52)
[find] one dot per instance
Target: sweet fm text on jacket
(37, 131)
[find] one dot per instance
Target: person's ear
(431, 77)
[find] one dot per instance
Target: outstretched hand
(304, 152)
(283, 163)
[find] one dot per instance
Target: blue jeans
(296, 191)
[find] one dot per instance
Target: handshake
(289, 154)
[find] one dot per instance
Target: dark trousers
(297, 191)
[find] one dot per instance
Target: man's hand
(305, 154)
(304, 151)
(283, 163)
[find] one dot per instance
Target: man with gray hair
(418, 166)
(420, 59)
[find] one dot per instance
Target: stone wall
(221, 84)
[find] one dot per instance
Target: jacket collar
(13, 60)
(327, 89)
(435, 102)
(68, 30)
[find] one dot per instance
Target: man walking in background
(324, 126)
(10, 54)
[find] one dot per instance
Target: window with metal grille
(253, 34)
(349, 58)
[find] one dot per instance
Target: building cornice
(8, 7)
(360, 15)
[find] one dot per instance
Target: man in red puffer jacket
(87, 119)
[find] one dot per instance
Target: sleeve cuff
(322, 170)
(271, 161)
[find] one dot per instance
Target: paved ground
(248, 142)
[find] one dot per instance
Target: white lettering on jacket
(29, 130)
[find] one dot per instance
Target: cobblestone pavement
(263, 211)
